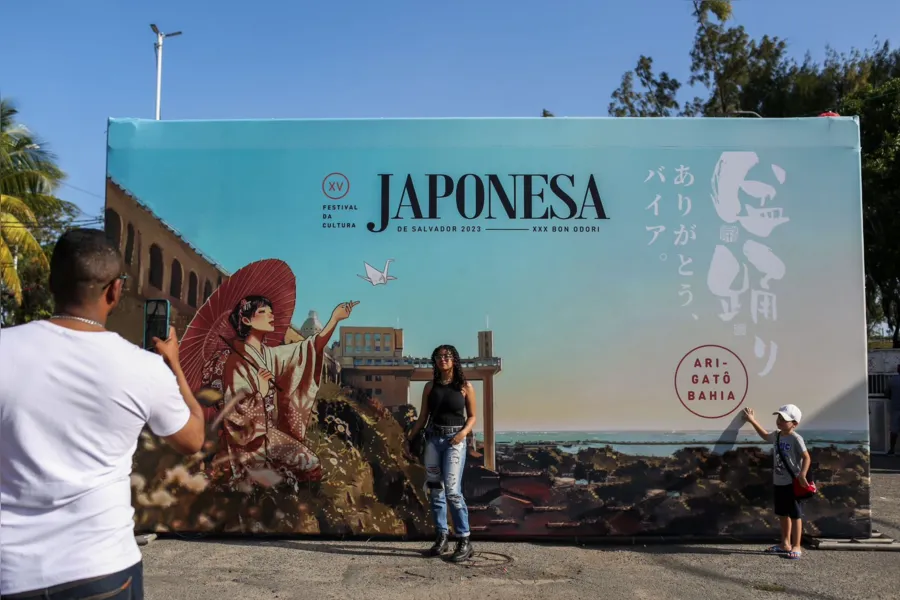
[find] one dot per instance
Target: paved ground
(288, 570)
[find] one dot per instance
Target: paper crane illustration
(376, 277)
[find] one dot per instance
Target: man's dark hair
(84, 263)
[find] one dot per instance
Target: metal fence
(878, 383)
(879, 423)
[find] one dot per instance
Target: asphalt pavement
(204, 569)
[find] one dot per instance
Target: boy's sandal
(776, 549)
(793, 555)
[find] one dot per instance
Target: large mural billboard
(621, 288)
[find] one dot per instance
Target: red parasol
(210, 330)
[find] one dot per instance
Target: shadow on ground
(656, 548)
(375, 549)
(786, 586)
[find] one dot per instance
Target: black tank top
(447, 406)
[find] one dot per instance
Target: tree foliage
(656, 97)
(31, 216)
(741, 75)
(878, 108)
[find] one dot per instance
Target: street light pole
(158, 46)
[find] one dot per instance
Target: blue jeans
(444, 465)
(124, 585)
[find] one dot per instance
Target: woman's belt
(446, 429)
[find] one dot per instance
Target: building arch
(129, 244)
(177, 279)
(192, 290)
(112, 224)
(156, 267)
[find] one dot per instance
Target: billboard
(620, 289)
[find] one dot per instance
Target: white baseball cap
(789, 412)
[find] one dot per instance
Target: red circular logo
(711, 381)
(335, 186)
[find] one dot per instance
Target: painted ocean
(665, 443)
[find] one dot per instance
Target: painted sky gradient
(589, 326)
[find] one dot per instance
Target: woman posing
(448, 408)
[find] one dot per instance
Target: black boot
(440, 545)
(463, 550)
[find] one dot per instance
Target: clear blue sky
(72, 66)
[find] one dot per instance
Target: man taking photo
(74, 399)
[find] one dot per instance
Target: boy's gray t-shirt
(793, 447)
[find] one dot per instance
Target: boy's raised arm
(751, 418)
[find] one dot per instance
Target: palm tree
(29, 177)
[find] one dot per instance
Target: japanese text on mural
(685, 233)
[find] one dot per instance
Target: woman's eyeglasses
(441, 357)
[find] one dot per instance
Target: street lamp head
(173, 34)
(154, 28)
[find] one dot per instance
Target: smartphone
(157, 313)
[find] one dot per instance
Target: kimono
(266, 429)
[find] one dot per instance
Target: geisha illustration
(236, 345)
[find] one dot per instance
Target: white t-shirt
(72, 405)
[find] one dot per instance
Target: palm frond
(26, 164)
(17, 235)
(8, 275)
(21, 181)
(19, 209)
(8, 112)
(29, 207)
(44, 205)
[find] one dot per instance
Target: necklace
(81, 319)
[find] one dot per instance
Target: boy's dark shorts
(786, 504)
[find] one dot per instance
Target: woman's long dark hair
(247, 307)
(459, 378)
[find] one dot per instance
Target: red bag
(802, 493)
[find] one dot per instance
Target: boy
(794, 450)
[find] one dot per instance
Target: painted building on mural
(645, 280)
(160, 263)
(361, 345)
